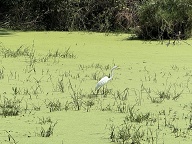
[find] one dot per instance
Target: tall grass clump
(65, 54)
(54, 105)
(47, 132)
(132, 130)
(76, 96)
(15, 53)
(10, 107)
(47, 127)
(127, 133)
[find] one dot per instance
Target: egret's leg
(103, 89)
(97, 92)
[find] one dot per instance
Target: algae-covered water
(47, 89)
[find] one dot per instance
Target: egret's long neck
(111, 75)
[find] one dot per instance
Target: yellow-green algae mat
(49, 78)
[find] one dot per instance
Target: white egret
(105, 79)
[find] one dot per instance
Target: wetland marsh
(47, 83)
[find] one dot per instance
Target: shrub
(170, 19)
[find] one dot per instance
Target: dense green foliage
(149, 19)
(96, 15)
(160, 19)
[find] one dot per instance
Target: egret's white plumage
(105, 79)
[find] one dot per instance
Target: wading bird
(105, 79)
